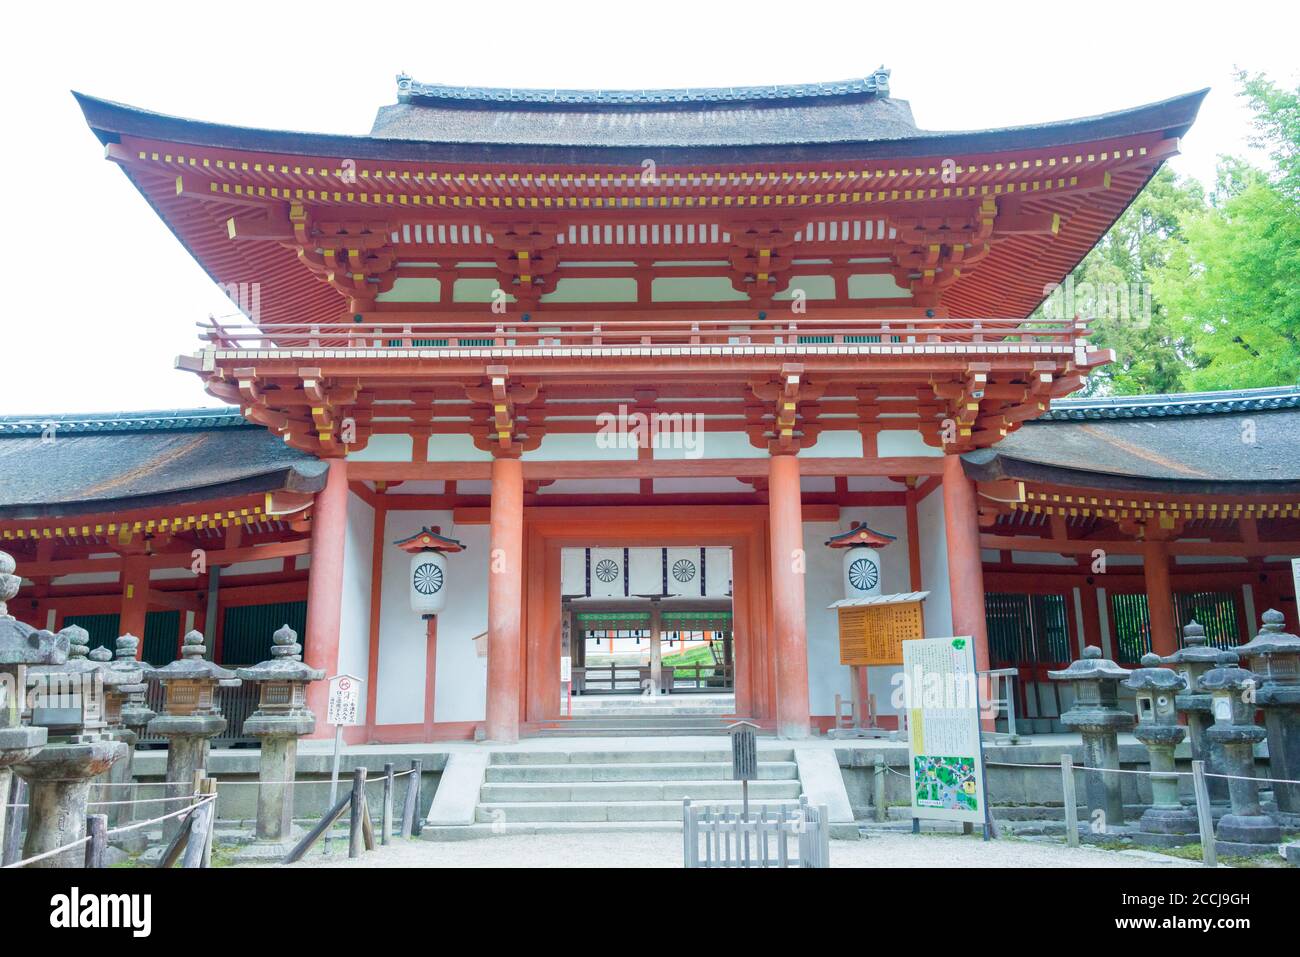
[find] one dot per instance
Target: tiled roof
(100, 423)
(1162, 406)
(412, 90)
(79, 464)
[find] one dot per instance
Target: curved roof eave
(111, 120)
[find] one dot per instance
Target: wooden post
(505, 598)
(1069, 801)
(200, 832)
(209, 789)
(878, 788)
(386, 828)
(1209, 853)
(97, 831)
(355, 836)
(410, 805)
(321, 827)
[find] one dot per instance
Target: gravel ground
(665, 850)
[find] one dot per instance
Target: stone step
(634, 756)
(635, 791)
(477, 831)
(649, 771)
(647, 730)
(570, 811)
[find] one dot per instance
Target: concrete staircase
(528, 792)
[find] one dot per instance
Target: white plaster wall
(461, 676)
(354, 613)
(715, 445)
(934, 565)
(824, 583)
(840, 443)
(384, 448)
(904, 442)
(579, 447)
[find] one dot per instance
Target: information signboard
(941, 699)
(344, 701)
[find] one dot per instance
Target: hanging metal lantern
(427, 580)
(862, 569)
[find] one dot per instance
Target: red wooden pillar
(785, 530)
(965, 568)
(329, 521)
(135, 596)
(505, 598)
(1160, 598)
(1091, 620)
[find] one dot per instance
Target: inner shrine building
(538, 397)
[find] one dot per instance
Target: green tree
(1151, 354)
(1234, 285)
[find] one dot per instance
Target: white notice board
(941, 699)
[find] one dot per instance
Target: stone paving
(665, 850)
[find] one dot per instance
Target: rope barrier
(41, 857)
(158, 820)
(1163, 774)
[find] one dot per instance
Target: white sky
(100, 297)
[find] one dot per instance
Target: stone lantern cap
(285, 663)
(1271, 640)
(20, 643)
(192, 666)
(77, 661)
(1152, 677)
(1194, 647)
(1228, 677)
(125, 663)
(1091, 666)
(118, 676)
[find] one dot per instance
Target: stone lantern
(135, 713)
(21, 646)
(68, 699)
(191, 717)
(123, 679)
(1247, 829)
(1096, 715)
(281, 718)
(1192, 661)
(1274, 655)
(1166, 820)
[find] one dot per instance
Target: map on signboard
(941, 699)
(947, 783)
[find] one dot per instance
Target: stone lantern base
(1244, 835)
(58, 779)
(16, 746)
(1167, 827)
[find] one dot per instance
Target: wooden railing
(568, 333)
